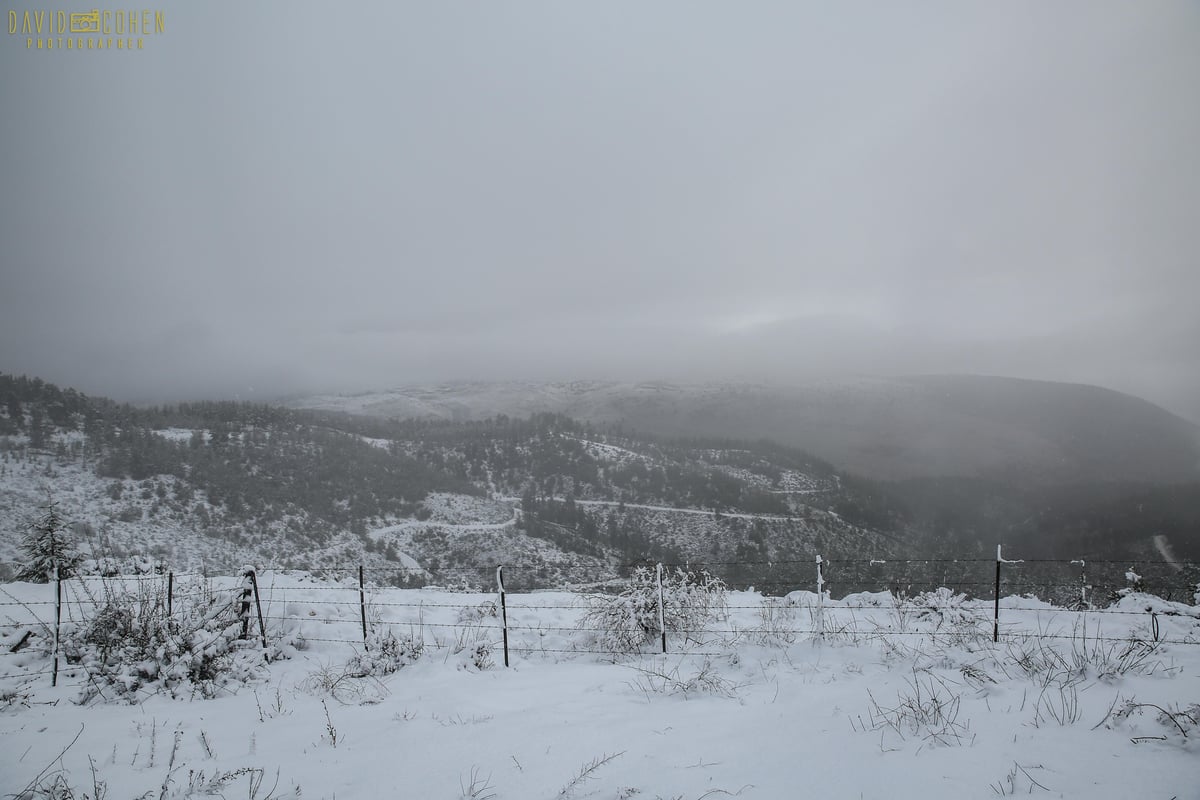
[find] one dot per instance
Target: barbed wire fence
(359, 595)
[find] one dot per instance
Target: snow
(611, 452)
(466, 510)
(180, 434)
(755, 706)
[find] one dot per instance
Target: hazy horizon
(261, 204)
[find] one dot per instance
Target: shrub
(131, 644)
(623, 624)
(385, 654)
(944, 609)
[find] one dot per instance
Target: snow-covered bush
(472, 645)
(776, 623)
(1136, 584)
(385, 654)
(944, 609)
(131, 644)
(624, 623)
(473, 615)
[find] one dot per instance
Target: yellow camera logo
(98, 29)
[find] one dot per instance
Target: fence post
(57, 621)
(503, 609)
(820, 595)
(262, 629)
(247, 592)
(996, 613)
(1082, 582)
(362, 607)
(170, 594)
(662, 617)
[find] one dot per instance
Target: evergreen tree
(46, 546)
(39, 432)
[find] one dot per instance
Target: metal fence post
(57, 621)
(996, 613)
(503, 609)
(820, 595)
(362, 607)
(662, 616)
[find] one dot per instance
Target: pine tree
(46, 546)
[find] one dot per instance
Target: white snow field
(769, 698)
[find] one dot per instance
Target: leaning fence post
(262, 629)
(247, 592)
(996, 613)
(503, 609)
(57, 621)
(662, 617)
(362, 607)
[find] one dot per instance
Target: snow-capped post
(662, 616)
(57, 621)
(996, 613)
(170, 594)
(1082, 581)
(262, 628)
(362, 607)
(503, 609)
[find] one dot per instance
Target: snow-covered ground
(887, 702)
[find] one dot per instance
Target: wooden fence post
(262, 628)
(170, 594)
(247, 593)
(1082, 582)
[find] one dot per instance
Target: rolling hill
(1019, 432)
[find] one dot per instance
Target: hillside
(1026, 433)
(211, 486)
(214, 485)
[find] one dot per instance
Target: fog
(278, 197)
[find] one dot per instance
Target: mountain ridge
(1023, 431)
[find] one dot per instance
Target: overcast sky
(289, 196)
